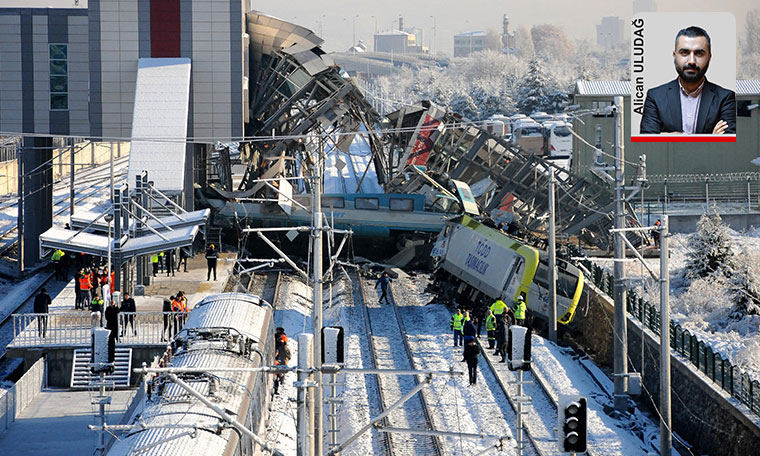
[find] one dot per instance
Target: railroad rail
(431, 442)
(358, 287)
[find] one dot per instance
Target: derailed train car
(228, 330)
(478, 264)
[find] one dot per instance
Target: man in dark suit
(690, 103)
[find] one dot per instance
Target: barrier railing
(729, 377)
(73, 328)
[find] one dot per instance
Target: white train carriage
(224, 330)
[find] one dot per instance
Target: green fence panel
(755, 406)
(687, 344)
(694, 350)
(719, 374)
(672, 335)
(701, 364)
(710, 362)
(679, 339)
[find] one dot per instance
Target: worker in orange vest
(85, 284)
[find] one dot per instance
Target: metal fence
(729, 377)
(73, 328)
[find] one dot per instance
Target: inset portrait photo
(683, 77)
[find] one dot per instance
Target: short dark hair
(693, 32)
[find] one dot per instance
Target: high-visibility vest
(520, 310)
(498, 307)
(457, 320)
(57, 255)
(154, 258)
(84, 282)
(491, 322)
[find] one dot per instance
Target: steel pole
(665, 423)
(552, 262)
(304, 424)
(317, 296)
(72, 194)
(20, 216)
(621, 333)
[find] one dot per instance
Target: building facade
(467, 43)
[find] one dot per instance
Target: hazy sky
(334, 20)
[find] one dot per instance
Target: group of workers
(499, 318)
(175, 313)
(165, 261)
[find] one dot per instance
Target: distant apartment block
(467, 43)
(610, 32)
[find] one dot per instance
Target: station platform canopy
(82, 219)
(97, 244)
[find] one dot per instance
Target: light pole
(322, 26)
(435, 30)
(108, 218)
(373, 17)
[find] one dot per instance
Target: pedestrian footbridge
(60, 336)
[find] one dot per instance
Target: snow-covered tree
(744, 288)
(711, 251)
(539, 91)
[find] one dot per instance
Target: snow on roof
(392, 32)
(623, 88)
(159, 124)
(475, 33)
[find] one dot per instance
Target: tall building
(610, 32)
(467, 43)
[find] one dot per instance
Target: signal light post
(572, 427)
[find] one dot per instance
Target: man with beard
(690, 103)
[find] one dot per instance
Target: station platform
(69, 329)
(55, 423)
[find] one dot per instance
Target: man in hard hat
(520, 308)
(211, 256)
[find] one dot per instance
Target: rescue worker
(383, 282)
(457, 320)
(112, 324)
(41, 306)
(471, 352)
(468, 332)
(57, 260)
(182, 259)
(491, 329)
(282, 358)
(502, 332)
(498, 308)
(169, 256)
(656, 233)
(520, 308)
(77, 290)
(179, 307)
(84, 288)
(154, 263)
(168, 316)
(128, 309)
(97, 306)
(212, 255)
(479, 314)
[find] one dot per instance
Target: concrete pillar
(38, 195)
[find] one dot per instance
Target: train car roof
(229, 311)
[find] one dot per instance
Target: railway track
(540, 416)
(390, 349)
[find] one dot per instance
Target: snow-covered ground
(703, 306)
(455, 405)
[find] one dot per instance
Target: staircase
(81, 377)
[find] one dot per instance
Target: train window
(401, 204)
(336, 202)
(367, 203)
